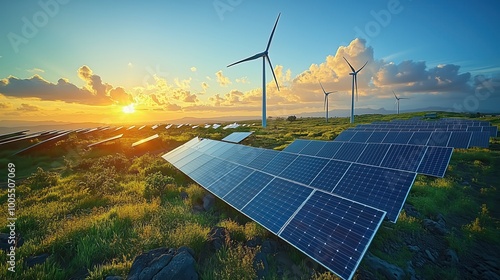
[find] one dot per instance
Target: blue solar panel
(439, 138)
(350, 151)
(226, 183)
(276, 203)
(304, 169)
(373, 154)
(404, 157)
(279, 163)
(420, 138)
(192, 165)
(384, 189)
(329, 150)
(475, 128)
(247, 189)
(480, 139)
(361, 136)
(333, 231)
(331, 175)
(403, 137)
(492, 129)
(220, 149)
(263, 159)
(229, 153)
(296, 146)
(313, 148)
(191, 155)
(460, 139)
(210, 171)
(244, 155)
(435, 161)
(345, 135)
(377, 137)
(236, 137)
(391, 137)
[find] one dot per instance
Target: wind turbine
(354, 74)
(397, 99)
(265, 57)
(325, 103)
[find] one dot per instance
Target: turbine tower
(265, 56)
(397, 99)
(354, 74)
(325, 103)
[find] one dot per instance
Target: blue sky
(169, 58)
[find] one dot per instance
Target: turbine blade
(362, 67)
(352, 68)
(272, 33)
(394, 95)
(322, 88)
(248, 58)
(404, 98)
(272, 70)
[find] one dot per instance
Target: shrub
(103, 181)
(42, 179)
(291, 118)
(157, 184)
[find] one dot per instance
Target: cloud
(193, 69)
(242, 80)
(221, 79)
(204, 86)
(5, 105)
(120, 96)
(94, 82)
(36, 70)
(28, 108)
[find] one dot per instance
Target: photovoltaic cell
(361, 136)
(435, 161)
(211, 171)
(276, 203)
(439, 138)
(226, 183)
(329, 149)
(237, 137)
(244, 155)
(492, 129)
(404, 157)
(391, 137)
(331, 175)
(263, 159)
(296, 146)
(247, 189)
(480, 139)
(384, 189)
(345, 135)
(279, 163)
(350, 151)
(460, 139)
(420, 138)
(304, 169)
(373, 154)
(403, 137)
(333, 231)
(376, 137)
(313, 148)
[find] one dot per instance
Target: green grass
(91, 211)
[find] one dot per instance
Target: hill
(87, 213)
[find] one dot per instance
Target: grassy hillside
(92, 211)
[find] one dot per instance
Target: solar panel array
(329, 209)
(426, 160)
(237, 137)
(105, 140)
(142, 141)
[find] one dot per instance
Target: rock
(436, 228)
(451, 256)
(217, 237)
(269, 246)
(113, 278)
(4, 241)
(208, 202)
(411, 270)
(32, 261)
(430, 256)
(164, 263)
(184, 195)
(261, 265)
(254, 242)
(413, 248)
(198, 208)
(411, 211)
(389, 271)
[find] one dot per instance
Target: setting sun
(129, 109)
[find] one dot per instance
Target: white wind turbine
(325, 103)
(397, 99)
(354, 74)
(265, 57)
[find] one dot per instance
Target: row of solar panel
(426, 160)
(437, 122)
(455, 139)
(331, 175)
(332, 229)
(492, 130)
(237, 137)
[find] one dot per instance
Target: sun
(129, 109)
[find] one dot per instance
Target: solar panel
(282, 197)
(150, 138)
(361, 136)
(279, 163)
(42, 142)
(439, 138)
(460, 139)
(420, 138)
(296, 146)
(330, 175)
(376, 137)
(492, 129)
(244, 155)
(373, 154)
(382, 188)
(313, 148)
(237, 137)
(341, 233)
(345, 135)
(350, 151)
(304, 169)
(247, 189)
(480, 139)
(105, 140)
(435, 161)
(263, 159)
(403, 137)
(227, 182)
(391, 137)
(404, 157)
(329, 149)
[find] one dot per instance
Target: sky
(151, 61)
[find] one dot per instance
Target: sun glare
(129, 109)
